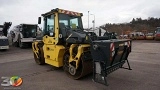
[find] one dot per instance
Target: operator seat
(73, 26)
(63, 30)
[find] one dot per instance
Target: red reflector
(158, 35)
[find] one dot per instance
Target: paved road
(144, 60)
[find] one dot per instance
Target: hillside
(136, 25)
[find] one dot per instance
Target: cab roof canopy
(72, 13)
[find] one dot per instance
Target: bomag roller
(66, 44)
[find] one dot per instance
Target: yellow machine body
(49, 51)
(53, 53)
(81, 49)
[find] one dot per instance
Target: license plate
(4, 47)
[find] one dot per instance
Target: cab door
(53, 53)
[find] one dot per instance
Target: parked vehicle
(150, 36)
(23, 35)
(123, 37)
(4, 43)
(140, 36)
(157, 33)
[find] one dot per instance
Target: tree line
(135, 25)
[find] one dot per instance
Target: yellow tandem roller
(66, 44)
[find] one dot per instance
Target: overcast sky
(105, 11)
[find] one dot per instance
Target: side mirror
(39, 20)
(100, 32)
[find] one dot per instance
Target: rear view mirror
(39, 20)
(100, 32)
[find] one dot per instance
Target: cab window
(49, 25)
(70, 22)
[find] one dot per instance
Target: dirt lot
(144, 60)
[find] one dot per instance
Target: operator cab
(67, 20)
(64, 25)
